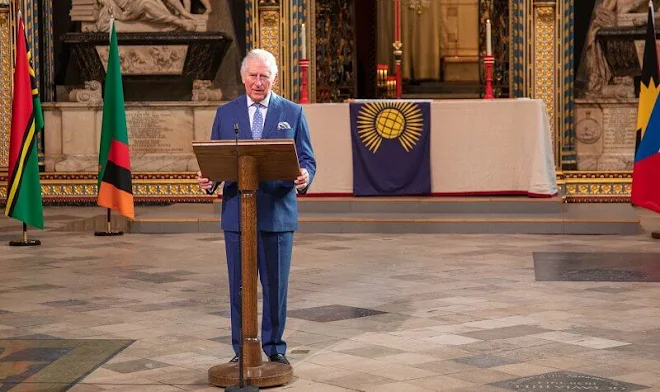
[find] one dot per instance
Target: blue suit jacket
(277, 208)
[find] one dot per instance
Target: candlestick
(303, 38)
(489, 48)
(397, 20)
(304, 95)
(397, 46)
(489, 62)
(397, 67)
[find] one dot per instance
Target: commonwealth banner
(391, 147)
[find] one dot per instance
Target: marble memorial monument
(168, 62)
(606, 102)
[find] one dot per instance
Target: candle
(489, 48)
(397, 20)
(303, 38)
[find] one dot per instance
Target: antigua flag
(391, 147)
(650, 80)
(646, 171)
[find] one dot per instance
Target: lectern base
(268, 374)
(236, 388)
(24, 242)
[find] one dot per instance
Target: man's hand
(204, 182)
(303, 179)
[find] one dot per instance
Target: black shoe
(235, 359)
(279, 358)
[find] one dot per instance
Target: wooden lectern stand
(258, 160)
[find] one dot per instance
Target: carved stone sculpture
(206, 3)
(150, 11)
(148, 60)
(138, 15)
(90, 94)
(595, 73)
(202, 91)
(162, 43)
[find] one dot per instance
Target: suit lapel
(273, 115)
(245, 131)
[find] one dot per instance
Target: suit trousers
(274, 251)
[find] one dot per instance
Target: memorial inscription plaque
(605, 134)
(158, 131)
(566, 381)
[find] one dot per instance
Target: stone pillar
(542, 66)
(566, 86)
(519, 51)
(5, 83)
(47, 87)
(544, 60)
(267, 33)
(273, 25)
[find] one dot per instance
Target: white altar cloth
(478, 147)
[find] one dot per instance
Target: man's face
(257, 80)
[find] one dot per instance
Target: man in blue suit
(261, 114)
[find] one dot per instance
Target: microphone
(236, 148)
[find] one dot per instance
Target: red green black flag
(115, 183)
(23, 188)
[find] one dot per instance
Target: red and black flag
(23, 188)
(115, 183)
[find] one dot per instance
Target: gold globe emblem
(390, 123)
(380, 120)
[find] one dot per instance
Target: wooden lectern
(258, 160)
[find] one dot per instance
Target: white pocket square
(283, 125)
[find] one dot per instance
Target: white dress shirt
(253, 109)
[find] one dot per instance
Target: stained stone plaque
(605, 134)
(596, 266)
(158, 131)
(43, 363)
(566, 381)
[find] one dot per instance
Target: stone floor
(366, 312)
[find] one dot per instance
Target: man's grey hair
(263, 56)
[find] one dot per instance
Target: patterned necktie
(257, 122)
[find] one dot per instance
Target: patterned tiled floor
(367, 313)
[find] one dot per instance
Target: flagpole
(24, 201)
(115, 189)
(644, 185)
(108, 228)
(24, 241)
(654, 234)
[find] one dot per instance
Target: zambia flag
(24, 189)
(115, 184)
(645, 185)
(391, 147)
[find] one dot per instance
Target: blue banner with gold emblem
(391, 147)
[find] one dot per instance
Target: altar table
(478, 147)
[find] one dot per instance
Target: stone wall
(160, 135)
